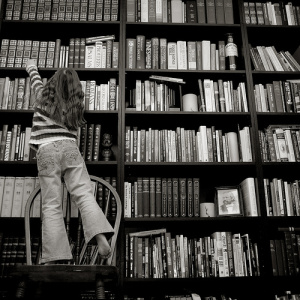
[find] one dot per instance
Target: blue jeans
(54, 161)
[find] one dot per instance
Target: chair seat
(65, 273)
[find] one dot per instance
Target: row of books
(92, 52)
(162, 197)
(278, 96)
(62, 10)
(207, 144)
(16, 94)
(159, 53)
(271, 13)
(89, 141)
(14, 193)
(221, 96)
(160, 254)
(14, 143)
(103, 96)
(151, 95)
(267, 58)
(214, 96)
(176, 197)
(280, 143)
(177, 11)
(13, 251)
(282, 197)
(285, 254)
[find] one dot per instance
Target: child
(58, 114)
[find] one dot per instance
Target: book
(191, 11)
(18, 197)
(131, 53)
(164, 197)
(2, 183)
(228, 12)
(249, 197)
(158, 197)
(182, 196)
(205, 54)
(146, 196)
(139, 200)
(8, 193)
(89, 142)
(140, 51)
(96, 142)
(3, 141)
(210, 12)
(177, 11)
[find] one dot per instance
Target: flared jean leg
(55, 243)
(79, 185)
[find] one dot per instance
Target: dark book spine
(96, 143)
(182, 196)
(196, 191)
(146, 197)
(158, 197)
(164, 197)
(175, 192)
(152, 189)
(169, 198)
(100, 195)
(140, 197)
(83, 137)
(164, 255)
(190, 198)
(289, 253)
(113, 202)
(76, 52)
(71, 53)
(82, 53)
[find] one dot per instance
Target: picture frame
(228, 201)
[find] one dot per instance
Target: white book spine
(182, 55)
(144, 11)
(172, 55)
(90, 56)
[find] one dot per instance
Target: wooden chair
(70, 273)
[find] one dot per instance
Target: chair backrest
(111, 195)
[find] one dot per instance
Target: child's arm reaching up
(35, 78)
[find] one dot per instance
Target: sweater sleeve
(36, 80)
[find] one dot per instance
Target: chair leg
(21, 289)
(100, 290)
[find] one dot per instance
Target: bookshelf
(216, 173)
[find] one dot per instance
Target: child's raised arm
(35, 78)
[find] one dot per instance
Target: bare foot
(103, 246)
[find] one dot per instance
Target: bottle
(231, 51)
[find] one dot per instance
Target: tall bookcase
(211, 174)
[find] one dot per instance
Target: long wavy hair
(62, 99)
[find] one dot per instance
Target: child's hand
(31, 62)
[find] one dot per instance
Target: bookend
(69, 273)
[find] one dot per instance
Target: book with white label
(18, 197)
(8, 194)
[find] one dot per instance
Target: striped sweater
(44, 129)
